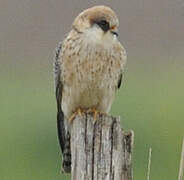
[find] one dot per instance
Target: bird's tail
(67, 155)
(64, 140)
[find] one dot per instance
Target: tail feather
(61, 130)
(64, 140)
(67, 155)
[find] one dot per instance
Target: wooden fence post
(100, 150)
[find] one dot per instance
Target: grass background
(150, 105)
(151, 101)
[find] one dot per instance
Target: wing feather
(120, 80)
(58, 92)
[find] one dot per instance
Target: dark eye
(104, 25)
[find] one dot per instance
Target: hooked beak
(114, 33)
(114, 30)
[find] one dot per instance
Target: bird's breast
(89, 75)
(90, 83)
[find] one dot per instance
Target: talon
(78, 112)
(72, 117)
(95, 113)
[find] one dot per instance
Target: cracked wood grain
(101, 150)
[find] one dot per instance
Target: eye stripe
(104, 25)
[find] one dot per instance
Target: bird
(88, 69)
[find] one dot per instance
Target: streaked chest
(83, 62)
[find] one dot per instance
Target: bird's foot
(78, 112)
(95, 112)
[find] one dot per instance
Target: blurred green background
(151, 101)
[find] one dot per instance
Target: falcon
(88, 69)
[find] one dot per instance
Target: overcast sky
(32, 28)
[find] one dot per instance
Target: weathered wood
(181, 168)
(100, 150)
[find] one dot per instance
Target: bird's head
(99, 24)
